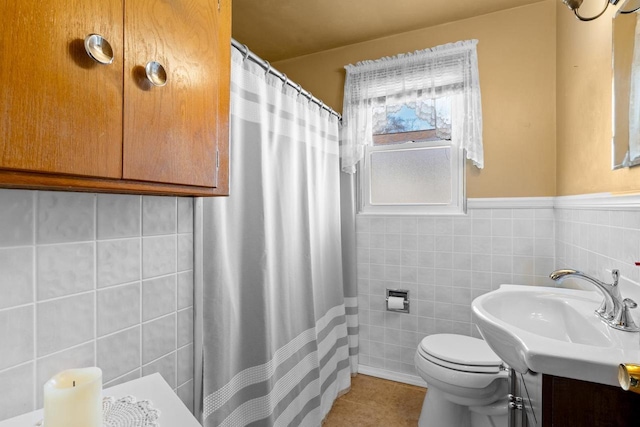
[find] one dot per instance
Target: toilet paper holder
(398, 293)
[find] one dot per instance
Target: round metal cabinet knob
(156, 73)
(98, 49)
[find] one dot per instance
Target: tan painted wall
(517, 60)
(584, 109)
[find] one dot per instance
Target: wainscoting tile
(157, 339)
(118, 216)
(125, 378)
(409, 258)
(443, 226)
(159, 215)
(185, 214)
(118, 262)
(523, 227)
(165, 366)
(185, 364)
(185, 252)
(16, 336)
(118, 308)
(363, 224)
(16, 393)
(544, 228)
(363, 240)
(185, 327)
(119, 353)
(71, 272)
(185, 289)
(393, 225)
(64, 323)
(16, 279)
(502, 227)
(16, 217)
(78, 357)
(462, 226)
(65, 217)
(158, 297)
(185, 393)
(448, 260)
(523, 246)
(65, 269)
(158, 256)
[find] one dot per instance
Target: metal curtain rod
(265, 64)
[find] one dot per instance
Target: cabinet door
(60, 112)
(171, 131)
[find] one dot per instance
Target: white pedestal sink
(553, 331)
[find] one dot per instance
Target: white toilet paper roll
(396, 303)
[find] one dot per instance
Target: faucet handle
(616, 275)
(624, 320)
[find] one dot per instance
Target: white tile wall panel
(72, 267)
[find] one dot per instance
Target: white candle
(73, 398)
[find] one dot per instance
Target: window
(411, 167)
(408, 123)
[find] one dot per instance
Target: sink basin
(553, 331)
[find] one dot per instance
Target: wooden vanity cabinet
(68, 122)
(551, 401)
(569, 402)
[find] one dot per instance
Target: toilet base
(494, 415)
(481, 420)
(439, 411)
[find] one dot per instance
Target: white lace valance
(447, 70)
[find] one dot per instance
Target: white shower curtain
(275, 336)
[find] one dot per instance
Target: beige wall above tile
(517, 64)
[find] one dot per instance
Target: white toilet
(467, 383)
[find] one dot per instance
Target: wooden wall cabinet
(68, 122)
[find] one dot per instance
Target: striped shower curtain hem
(289, 380)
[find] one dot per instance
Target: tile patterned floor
(374, 402)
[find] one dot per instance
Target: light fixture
(575, 5)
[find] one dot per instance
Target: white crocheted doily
(126, 412)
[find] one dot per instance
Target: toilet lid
(460, 350)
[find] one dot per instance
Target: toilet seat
(454, 351)
(467, 382)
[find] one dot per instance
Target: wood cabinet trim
(36, 181)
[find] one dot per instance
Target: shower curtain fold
(276, 345)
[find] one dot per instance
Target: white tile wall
(93, 280)
(444, 262)
(596, 241)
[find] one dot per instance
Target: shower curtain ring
(299, 89)
(246, 52)
(285, 81)
(268, 68)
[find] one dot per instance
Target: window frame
(458, 205)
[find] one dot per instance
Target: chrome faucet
(614, 310)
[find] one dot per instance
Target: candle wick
(74, 383)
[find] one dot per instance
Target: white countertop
(173, 413)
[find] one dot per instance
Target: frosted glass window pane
(418, 176)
